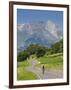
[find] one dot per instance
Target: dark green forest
(40, 51)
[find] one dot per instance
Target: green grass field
(22, 74)
(54, 61)
(51, 62)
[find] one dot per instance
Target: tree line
(40, 51)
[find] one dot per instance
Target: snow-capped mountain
(42, 33)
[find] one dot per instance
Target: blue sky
(27, 16)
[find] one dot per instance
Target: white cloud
(45, 27)
(54, 29)
(25, 27)
(50, 25)
(20, 27)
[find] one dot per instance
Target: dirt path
(48, 74)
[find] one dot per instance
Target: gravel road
(48, 74)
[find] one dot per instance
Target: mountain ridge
(42, 33)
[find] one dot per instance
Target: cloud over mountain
(40, 32)
(54, 29)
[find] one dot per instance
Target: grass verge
(22, 74)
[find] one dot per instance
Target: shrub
(23, 56)
(40, 52)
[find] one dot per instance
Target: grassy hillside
(50, 62)
(54, 61)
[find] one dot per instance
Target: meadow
(22, 73)
(54, 61)
(50, 62)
